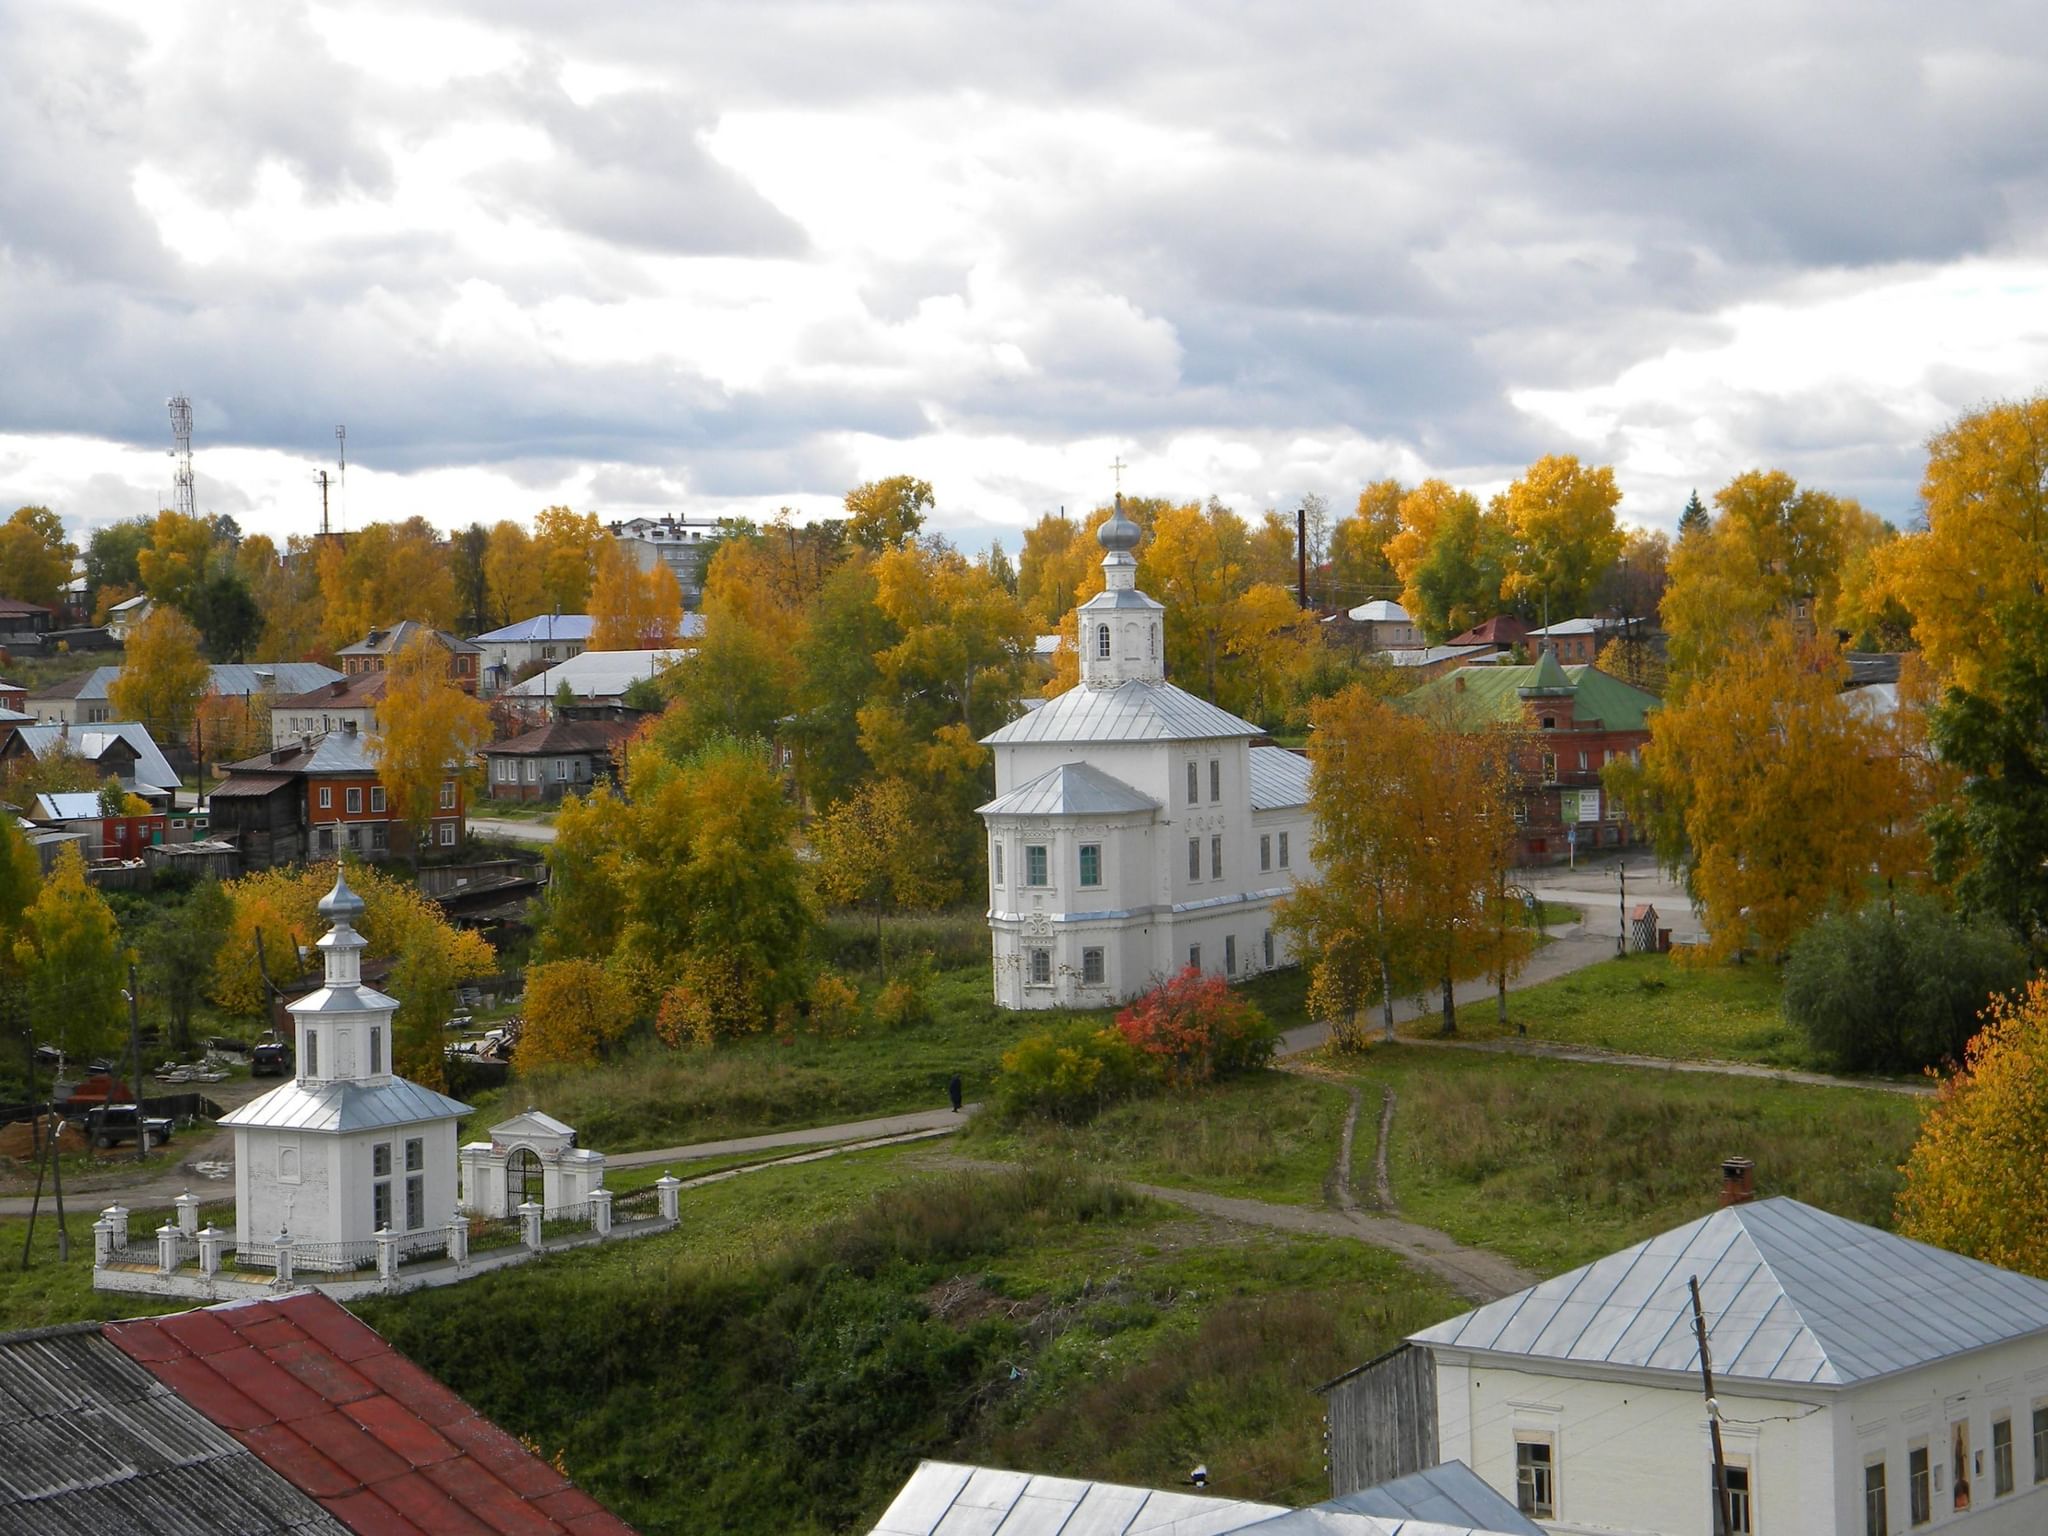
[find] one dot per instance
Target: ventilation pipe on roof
(1738, 1181)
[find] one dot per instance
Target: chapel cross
(1119, 466)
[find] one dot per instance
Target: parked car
(273, 1058)
(109, 1125)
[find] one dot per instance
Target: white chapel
(1135, 830)
(347, 1148)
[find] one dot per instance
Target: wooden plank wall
(1383, 1420)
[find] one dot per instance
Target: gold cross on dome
(1119, 466)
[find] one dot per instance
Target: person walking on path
(953, 1091)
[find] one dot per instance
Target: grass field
(1645, 1005)
(1270, 1136)
(782, 1362)
(1556, 1163)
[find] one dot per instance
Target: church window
(1152, 641)
(312, 1053)
(1268, 948)
(1194, 858)
(1265, 850)
(1215, 780)
(415, 1203)
(1283, 850)
(1034, 864)
(1091, 864)
(376, 1048)
(1102, 641)
(1216, 858)
(380, 1160)
(415, 1153)
(1230, 953)
(1091, 968)
(1194, 783)
(1194, 957)
(995, 861)
(1041, 967)
(380, 1206)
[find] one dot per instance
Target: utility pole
(135, 1060)
(1699, 1326)
(1301, 553)
(1621, 937)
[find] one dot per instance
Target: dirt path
(1550, 1051)
(1384, 1185)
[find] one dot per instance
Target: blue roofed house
(1865, 1385)
(540, 641)
(1136, 829)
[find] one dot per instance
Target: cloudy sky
(719, 258)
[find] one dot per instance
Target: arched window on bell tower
(1102, 641)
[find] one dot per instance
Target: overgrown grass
(49, 1292)
(1268, 1136)
(1645, 1005)
(1556, 1163)
(782, 1362)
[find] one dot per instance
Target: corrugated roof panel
(1130, 711)
(1450, 1494)
(344, 1106)
(1071, 789)
(1280, 778)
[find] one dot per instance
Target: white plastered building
(532, 1156)
(1135, 830)
(1867, 1385)
(346, 1148)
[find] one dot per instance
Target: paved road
(515, 831)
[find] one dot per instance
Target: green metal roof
(1482, 695)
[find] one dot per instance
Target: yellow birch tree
(428, 732)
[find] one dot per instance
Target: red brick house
(319, 797)
(1575, 721)
(375, 650)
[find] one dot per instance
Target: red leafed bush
(1193, 1028)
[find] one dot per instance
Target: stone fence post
(601, 1211)
(117, 1215)
(284, 1260)
(529, 1222)
(167, 1237)
(387, 1258)
(188, 1213)
(671, 1201)
(212, 1243)
(106, 1236)
(458, 1239)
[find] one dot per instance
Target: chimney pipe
(1738, 1181)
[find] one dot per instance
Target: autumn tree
(162, 675)
(1193, 1028)
(1270, 553)
(467, 548)
(566, 548)
(1693, 519)
(1562, 535)
(287, 592)
(575, 1010)
(178, 951)
(1774, 793)
(225, 612)
(1059, 552)
(1194, 563)
(381, 575)
(886, 514)
(1458, 583)
(837, 674)
(874, 851)
(177, 558)
(1977, 1177)
(68, 950)
(428, 732)
(512, 575)
(111, 557)
(227, 727)
(35, 557)
(584, 907)
(1359, 568)
(632, 608)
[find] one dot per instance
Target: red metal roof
(325, 1402)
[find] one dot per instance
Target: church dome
(1119, 536)
(341, 904)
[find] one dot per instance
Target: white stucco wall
(1633, 1456)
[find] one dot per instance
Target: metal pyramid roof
(1132, 711)
(1791, 1294)
(1071, 789)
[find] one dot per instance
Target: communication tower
(181, 450)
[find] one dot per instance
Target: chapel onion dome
(1119, 536)
(341, 904)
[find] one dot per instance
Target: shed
(1642, 927)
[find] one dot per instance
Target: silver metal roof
(602, 674)
(1071, 789)
(946, 1499)
(1132, 711)
(1450, 1494)
(344, 1106)
(90, 741)
(90, 1441)
(1279, 778)
(1119, 598)
(345, 999)
(1792, 1295)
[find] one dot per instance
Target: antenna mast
(181, 450)
(341, 475)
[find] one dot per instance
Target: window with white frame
(1092, 970)
(1741, 1509)
(1035, 868)
(377, 798)
(1194, 783)
(1091, 863)
(1265, 850)
(1583, 765)
(2001, 1457)
(995, 861)
(447, 834)
(1041, 967)
(1877, 1512)
(447, 794)
(1535, 1477)
(1283, 850)
(1216, 858)
(1230, 954)
(2041, 1443)
(1919, 1485)
(1215, 780)
(561, 768)
(326, 797)
(352, 800)
(312, 1053)
(1102, 641)
(376, 1048)
(1194, 858)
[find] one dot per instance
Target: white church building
(346, 1148)
(1136, 830)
